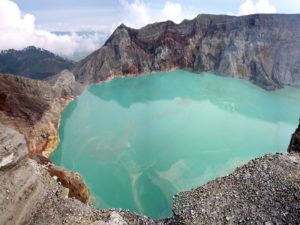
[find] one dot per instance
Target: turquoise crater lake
(140, 140)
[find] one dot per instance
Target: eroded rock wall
(33, 108)
(260, 48)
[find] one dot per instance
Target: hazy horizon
(75, 28)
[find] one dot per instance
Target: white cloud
(135, 14)
(175, 12)
(18, 31)
(139, 14)
(172, 11)
(247, 7)
(262, 6)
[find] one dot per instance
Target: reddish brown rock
(72, 181)
(33, 108)
(69, 179)
(258, 48)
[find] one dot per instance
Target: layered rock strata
(33, 108)
(258, 48)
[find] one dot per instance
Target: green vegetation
(32, 62)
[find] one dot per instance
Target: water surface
(138, 141)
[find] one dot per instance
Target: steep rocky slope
(259, 48)
(295, 141)
(33, 108)
(32, 62)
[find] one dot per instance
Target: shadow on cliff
(234, 95)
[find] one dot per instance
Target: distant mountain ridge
(32, 62)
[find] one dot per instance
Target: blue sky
(104, 14)
(30, 22)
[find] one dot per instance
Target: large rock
(12, 147)
(294, 145)
(21, 184)
(259, 48)
(66, 83)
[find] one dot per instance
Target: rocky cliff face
(259, 48)
(295, 141)
(33, 108)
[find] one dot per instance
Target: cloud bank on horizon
(18, 30)
(137, 14)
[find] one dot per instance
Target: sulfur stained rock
(70, 180)
(73, 182)
(33, 108)
(259, 48)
